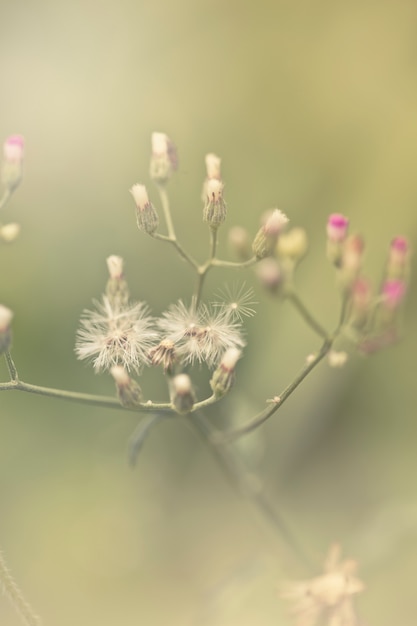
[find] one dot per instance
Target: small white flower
(116, 335)
(200, 334)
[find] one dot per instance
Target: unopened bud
(10, 232)
(164, 159)
(6, 316)
(337, 228)
(293, 245)
(360, 303)
(270, 275)
(351, 262)
(117, 290)
(213, 166)
(146, 215)
(239, 242)
(12, 167)
(393, 293)
(182, 394)
(337, 359)
(398, 259)
(267, 236)
(164, 354)
(128, 390)
(224, 376)
(214, 212)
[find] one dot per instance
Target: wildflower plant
(120, 337)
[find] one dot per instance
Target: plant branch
(248, 484)
(11, 366)
(278, 401)
(293, 296)
(5, 197)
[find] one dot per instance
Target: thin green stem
(293, 296)
(83, 398)
(278, 401)
(248, 484)
(15, 595)
(179, 249)
(235, 265)
(11, 366)
(6, 197)
(167, 211)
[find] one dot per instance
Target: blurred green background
(313, 107)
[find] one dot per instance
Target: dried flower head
(238, 300)
(326, 599)
(116, 335)
(12, 167)
(200, 334)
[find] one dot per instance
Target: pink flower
(337, 227)
(13, 149)
(393, 292)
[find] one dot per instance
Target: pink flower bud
(398, 259)
(13, 149)
(393, 292)
(337, 227)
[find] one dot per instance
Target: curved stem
(235, 265)
(83, 398)
(15, 595)
(305, 314)
(248, 484)
(5, 197)
(277, 402)
(179, 249)
(11, 366)
(167, 211)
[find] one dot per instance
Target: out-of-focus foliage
(312, 106)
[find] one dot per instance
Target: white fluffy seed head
(230, 358)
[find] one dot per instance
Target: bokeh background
(313, 106)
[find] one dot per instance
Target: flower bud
(128, 390)
(146, 216)
(213, 166)
(292, 245)
(337, 359)
(398, 259)
(337, 228)
(360, 303)
(267, 236)
(224, 376)
(6, 316)
(12, 168)
(164, 354)
(239, 242)
(214, 212)
(270, 275)
(393, 292)
(164, 159)
(351, 262)
(182, 394)
(116, 289)
(9, 232)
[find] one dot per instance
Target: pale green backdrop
(313, 107)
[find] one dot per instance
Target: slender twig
(235, 264)
(15, 595)
(179, 249)
(11, 366)
(167, 211)
(248, 484)
(83, 398)
(293, 296)
(278, 401)
(5, 197)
